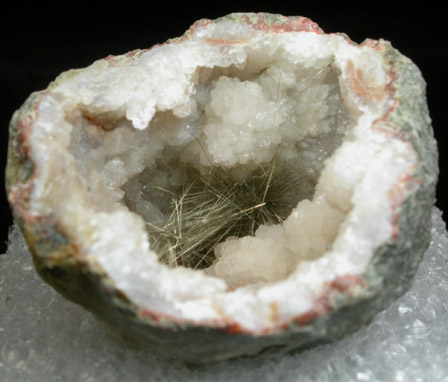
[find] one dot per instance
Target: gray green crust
(389, 273)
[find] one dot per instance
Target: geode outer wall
(347, 303)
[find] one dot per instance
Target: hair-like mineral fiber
(211, 206)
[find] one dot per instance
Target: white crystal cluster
(44, 337)
(253, 114)
(291, 96)
(304, 236)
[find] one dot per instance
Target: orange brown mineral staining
(341, 284)
(234, 329)
(274, 311)
(292, 24)
(346, 284)
(397, 194)
(370, 91)
(355, 79)
(24, 128)
(321, 307)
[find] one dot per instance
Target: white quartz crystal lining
(162, 79)
(44, 337)
(250, 121)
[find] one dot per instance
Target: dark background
(37, 46)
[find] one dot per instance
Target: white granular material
(46, 338)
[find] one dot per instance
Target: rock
(235, 94)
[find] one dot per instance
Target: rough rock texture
(44, 337)
(341, 305)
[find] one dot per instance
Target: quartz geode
(97, 157)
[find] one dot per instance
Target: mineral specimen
(254, 184)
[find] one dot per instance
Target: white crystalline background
(46, 338)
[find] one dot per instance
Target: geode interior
(237, 119)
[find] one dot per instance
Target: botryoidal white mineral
(45, 337)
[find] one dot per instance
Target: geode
(94, 158)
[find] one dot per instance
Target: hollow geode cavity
(232, 94)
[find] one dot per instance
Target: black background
(37, 46)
